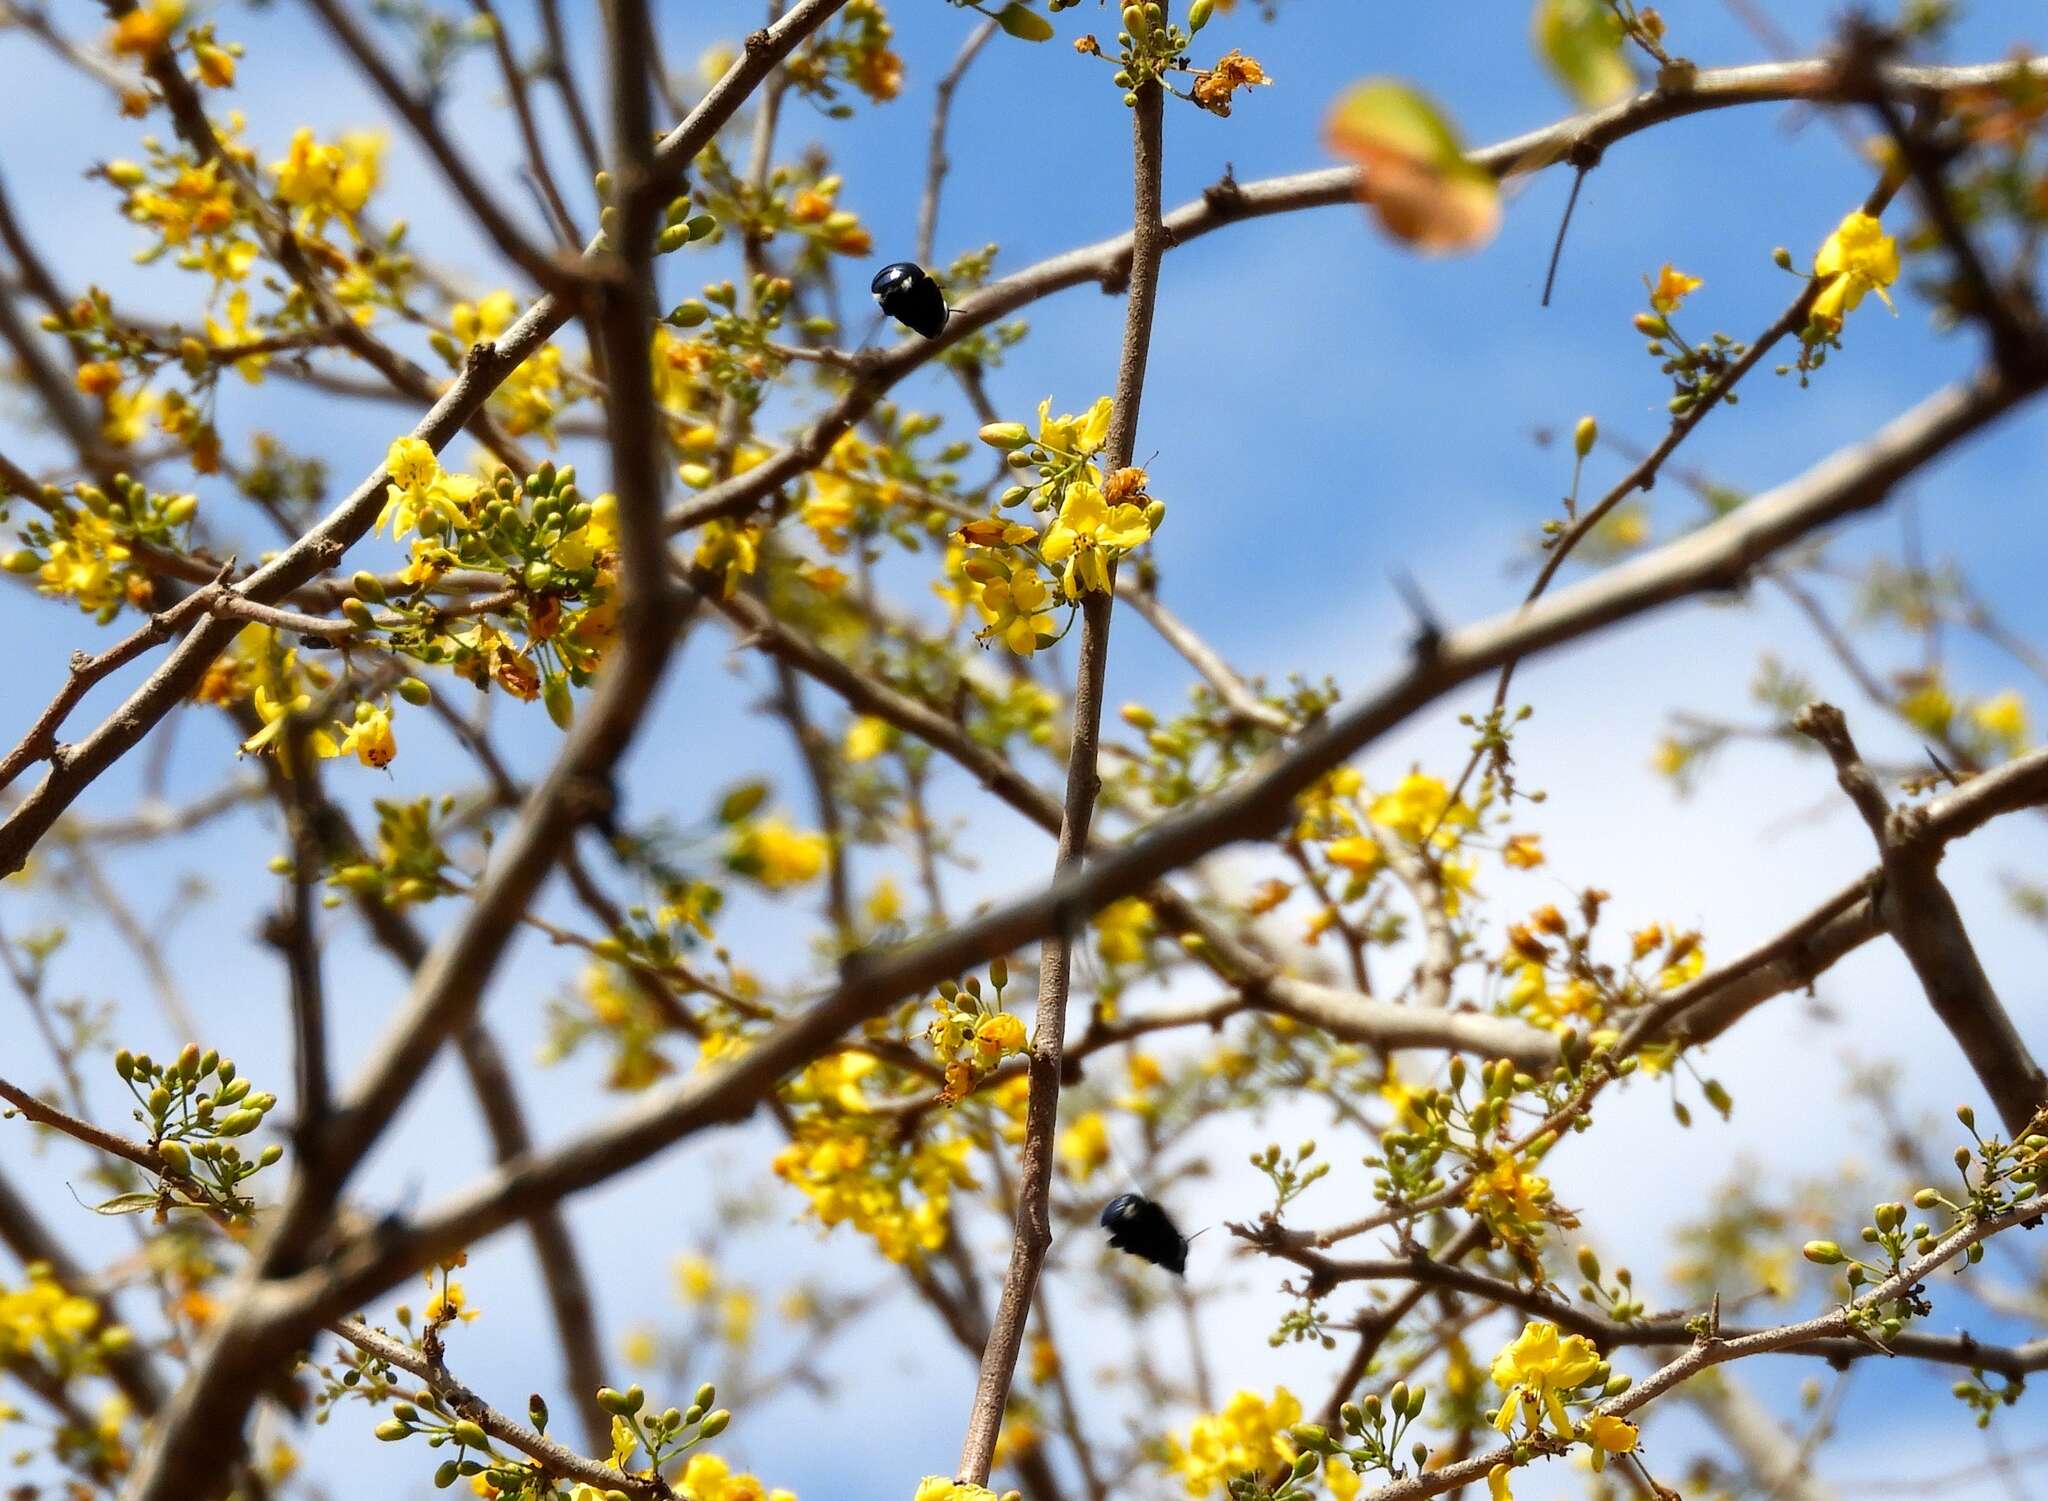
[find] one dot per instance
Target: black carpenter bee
(906, 292)
(1138, 1225)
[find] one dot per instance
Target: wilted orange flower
(1233, 71)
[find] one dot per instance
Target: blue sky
(1325, 410)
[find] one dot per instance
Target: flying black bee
(1138, 1225)
(906, 292)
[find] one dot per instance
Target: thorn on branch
(1428, 636)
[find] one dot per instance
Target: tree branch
(1923, 919)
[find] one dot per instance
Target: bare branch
(936, 163)
(1922, 918)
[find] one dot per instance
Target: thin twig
(1033, 1233)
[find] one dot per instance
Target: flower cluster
(852, 49)
(856, 1168)
(85, 548)
(972, 1035)
(42, 1320)
(194, 1108)
(1096, 522)
(1248, 1437)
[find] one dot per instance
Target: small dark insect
(1138, 1225)
(906, 292)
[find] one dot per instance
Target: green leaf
(741, 801)
(129, 1203)
(1024, 23)
(1583, 43)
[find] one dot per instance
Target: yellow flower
(708, 1478)
(1672, 287)
(418, 485)
(450, 1303)
(1417, 806)
(866, 738)
(1015, 609)
(88, 562)
(1537, 1369)
(998, 1036)
(1505, 1194)
(1355, 852)
(1084, 1146)
(829, 511)
(40, 1318)
(696, 1278)
(482, 322)
(1497, 1484)
(1089, 535)
(1858, 257)
(145, 29)
(326, 182)
(1071, 436)
(1523, 851)
(736, 1317)
(369, 738)
(639, 1347)
(1929, 708)
(98, 378)
(944, 1488)
(2004, 719)
(275, 710)
(1249, 1436)
(730, 550)
(1609, 1435)
(777, 855)
(1121, 929)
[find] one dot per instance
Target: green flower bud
(1005, 435)
(1822, 1252)
(175, 1158)
(21, 561)
(1199, 13)
(706, 1395)
(537, 1413)
(1585, 435)
(391, 1430)
(714, 1423)
(124, 1064)
(450, 1471)
(415, 692)
(470, 1436)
